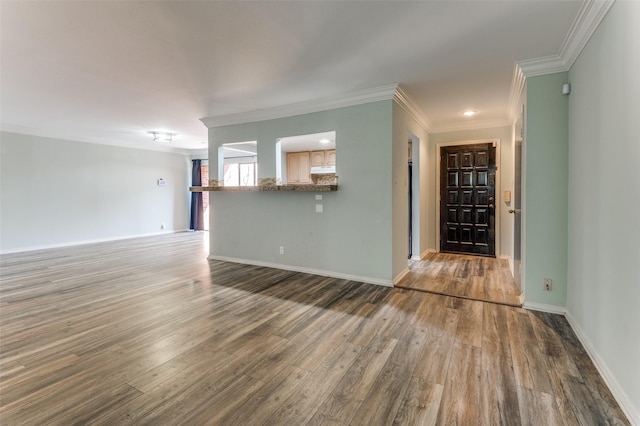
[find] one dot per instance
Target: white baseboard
(91, 241)
(321, 272)
(423, 254)
(618, 393)
(543, 307)
(400, 276)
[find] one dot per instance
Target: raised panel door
(317, 158)
(304, 171)
(467, 211)
(293, 167)
(330, 157)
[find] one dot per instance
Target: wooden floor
(148, 331)
(471, 277)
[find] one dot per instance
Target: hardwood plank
(268, 399)
(387, 393)
(538, 408)
(343, 402)
(498, 395)
(460, 402)
(420, 404)
(471, 277)
(529, 367)
(469, 329)
(301, 406)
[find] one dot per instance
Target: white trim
(92, 241)
(426, 252)
(618, 393)
(406, 103)
(400, 276)
(313, 271)
(587, 20)
(118, 143)
(541, 66)
(510, 261)
(515, 95)
(382, 93)
(423, 254)
(543, 307)
(589, 17)
(495, 141)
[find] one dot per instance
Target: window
(240, 174)
(238, 164)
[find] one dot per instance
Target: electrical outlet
(281, 250)
(547, 284)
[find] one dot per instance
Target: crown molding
(406, 103)
(382, 93)
(541, 66)
(515, 95)
(116, 143)
(589, 17)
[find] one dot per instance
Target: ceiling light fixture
(325, 141)
(162, 136)
(469, 113)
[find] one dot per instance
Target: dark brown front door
(467, 199)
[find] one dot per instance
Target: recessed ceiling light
(469, 113)
(325, 141)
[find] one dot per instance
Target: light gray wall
(353, 235)
(505, 168)
(59, 192)
(604, 198)
(404, 127)
(545, 168)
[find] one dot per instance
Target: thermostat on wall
(162, 182)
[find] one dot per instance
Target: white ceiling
(109, 72)
(308, 142)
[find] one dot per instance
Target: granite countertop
(267, 188)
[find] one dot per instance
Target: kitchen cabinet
(317, 158)
(298, 165)
(330, 157)
(323, 158)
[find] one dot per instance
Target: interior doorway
(410, 198)
(484, 276)
(415, 188)
(516, 210)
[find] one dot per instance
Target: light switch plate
(318, 197)
(319, 208)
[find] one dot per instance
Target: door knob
(490, 206)
(512, 211)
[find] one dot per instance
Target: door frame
(496, 143)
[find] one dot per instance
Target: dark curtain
(197, 212)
